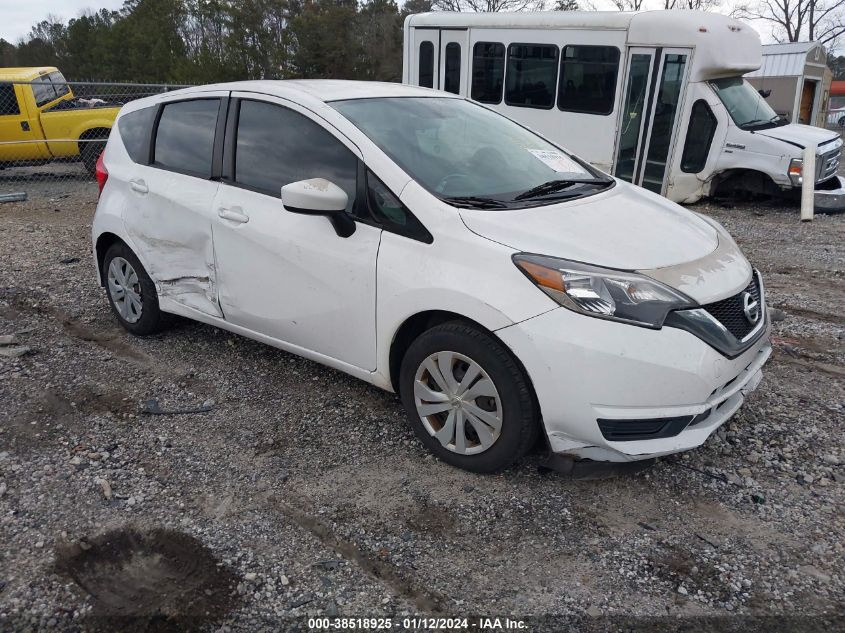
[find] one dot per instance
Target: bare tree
(628, 5)
(798, 20)
(693, 5)
(489, 6)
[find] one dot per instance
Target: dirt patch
(160, 580)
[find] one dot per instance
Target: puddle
(162, 580)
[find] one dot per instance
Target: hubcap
(125, 289)
(458, 403)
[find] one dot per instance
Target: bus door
(654, 90)
(441, 57)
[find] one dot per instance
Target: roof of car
(25, 73)
(322, 89)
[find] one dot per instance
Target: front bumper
(584, 370)
(831, 197)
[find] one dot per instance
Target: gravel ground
(303, 492)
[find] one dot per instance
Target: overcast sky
(18, 16)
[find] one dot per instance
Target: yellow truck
(41, 120)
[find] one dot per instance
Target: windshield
(469, 155)
(745, 105)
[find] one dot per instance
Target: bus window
(588, 79)
(531, 76)
(488, 72)
(702, 128)
(426, 74)
(452, 74)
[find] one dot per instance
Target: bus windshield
(747, 108)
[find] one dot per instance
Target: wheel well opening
(104, 243)
(411, 329)
(96, 133)
(739, 183)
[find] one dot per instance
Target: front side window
(185, 136)
(531, 75)
(465, 153)
(426, 71)
(488, 72)
(747, 108)
(276, 146)
(588, 79)
(452, 76)
(8, 100)
(135, 128)
(702, 128)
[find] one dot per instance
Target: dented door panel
(172, 226)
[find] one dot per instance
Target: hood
(802, 135)
(627, 228)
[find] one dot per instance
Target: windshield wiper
(554, 186)
(476, 202)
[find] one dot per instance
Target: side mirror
(319, 196)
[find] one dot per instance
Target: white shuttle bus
(656, 98)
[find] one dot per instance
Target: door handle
(234, 214)
(25, 126)
(138, 185)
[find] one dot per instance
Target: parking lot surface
(278, 489)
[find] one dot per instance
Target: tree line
(203, 41)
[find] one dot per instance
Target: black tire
(842, 122)
(90, 152)
(151, 320)
(519, 411)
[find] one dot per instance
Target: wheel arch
(750, 180)
(416, 324)
(93, 133)
(104, 242)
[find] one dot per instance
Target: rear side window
(588, 79)
(531, 76)
(42, 90)
(426, 73)
(8, 100)
(185, 136)
(452, 74)
(135, 129)
(276, 146)
(702, 128)
(488, 72)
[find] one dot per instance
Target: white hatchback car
(503, 287)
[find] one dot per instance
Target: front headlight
(796, 171)
(602, 292)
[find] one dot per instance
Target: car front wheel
(468, 399)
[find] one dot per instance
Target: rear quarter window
(184, 139)
(135, 130)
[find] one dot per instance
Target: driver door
(286, 275)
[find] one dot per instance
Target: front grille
(828, 164)
(730, 312)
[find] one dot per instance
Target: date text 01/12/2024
(484, 624)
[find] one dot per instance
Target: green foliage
(203, 41)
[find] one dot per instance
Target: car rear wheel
(467, 398)
(131, 292)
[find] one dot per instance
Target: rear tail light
(102, 173)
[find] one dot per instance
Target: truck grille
(828, 164)
(730, 312)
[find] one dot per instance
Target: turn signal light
(101, 173)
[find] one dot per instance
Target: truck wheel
(842, 122)
(90, 152)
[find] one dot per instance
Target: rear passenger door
(169, 211)
(287, 275)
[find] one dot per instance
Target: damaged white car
(503, 287)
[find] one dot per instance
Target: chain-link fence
(52, 132)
